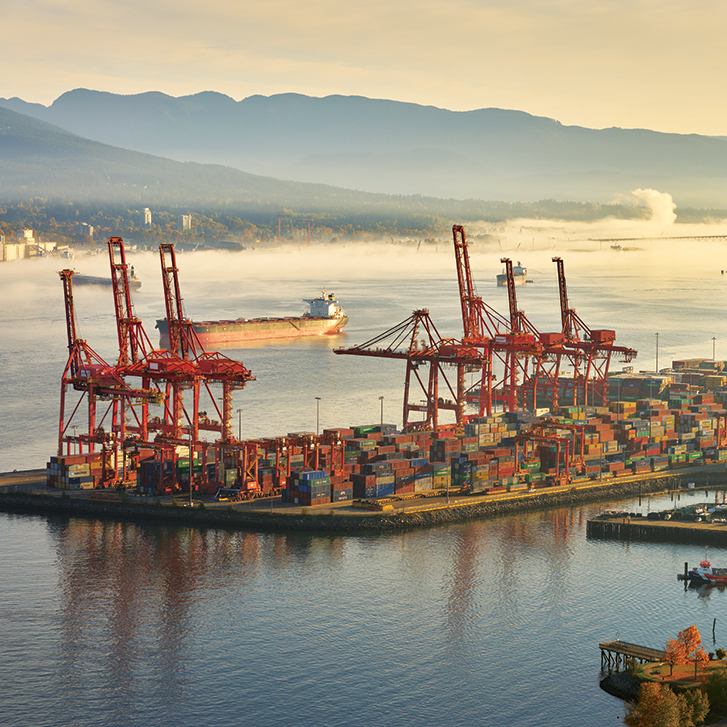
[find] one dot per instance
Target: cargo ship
(325, 317)
(519, 276)
(81, 279)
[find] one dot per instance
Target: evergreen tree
(716, 689)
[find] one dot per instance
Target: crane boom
(67, 278)
(133, 341)
(182, 339)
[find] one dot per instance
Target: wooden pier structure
(615, 653)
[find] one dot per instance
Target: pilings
(615, 654)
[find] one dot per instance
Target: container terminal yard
(549, 422)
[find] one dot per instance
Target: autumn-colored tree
(699, 658)
(691, 639)
(659, 706)
(695, 653)
(674, 654)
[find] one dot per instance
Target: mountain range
(369, 145)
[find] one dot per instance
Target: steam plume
(661, 204)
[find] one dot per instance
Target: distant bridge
(664, 237)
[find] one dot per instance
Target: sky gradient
(596, 63)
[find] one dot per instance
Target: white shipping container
(78, 470)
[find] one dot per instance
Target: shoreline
(343, 518)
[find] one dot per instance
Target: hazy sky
(596, 63)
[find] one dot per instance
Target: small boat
(519, 276)
(704, 573)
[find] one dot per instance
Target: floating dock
(625, 527)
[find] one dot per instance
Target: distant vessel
(519, 276)
(80, 279)
(325, 317)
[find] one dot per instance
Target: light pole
(381, 399)
(191, 466)
(657, 353)
(714, 350)
(239, 425)
(318, 413)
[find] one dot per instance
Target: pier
(615, 653)
(656, 531)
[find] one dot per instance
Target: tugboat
(704, 573)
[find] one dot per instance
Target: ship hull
(80, 279)
(516, 279)
(227, 333)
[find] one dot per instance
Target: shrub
(721, 653)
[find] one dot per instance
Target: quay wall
(342, 521)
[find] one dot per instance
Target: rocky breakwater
(324, 519)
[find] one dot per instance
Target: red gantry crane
(542, 379)
(101, 385)
(185, 367)
(429, 358)
(213, 368)
(511, 343)
(596, 349)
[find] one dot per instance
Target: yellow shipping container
(714, 381)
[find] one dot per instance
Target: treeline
(406, 216)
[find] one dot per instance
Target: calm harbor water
(495, 622)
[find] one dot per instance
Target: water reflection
(154, 620)
(705, 590)
(467, 572)
(131, 594)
